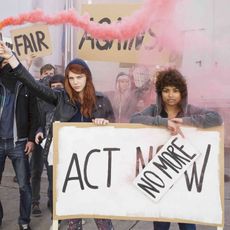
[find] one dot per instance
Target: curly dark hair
(171, 77)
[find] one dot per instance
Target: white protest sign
(94, 170)
(166, 167)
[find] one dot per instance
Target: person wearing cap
(18, 125)
(79, 102)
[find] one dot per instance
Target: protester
(55, 83)
(37, 163)
(18, 124)
(172, 111)
(46, 72)
(78, 103)
(123, 98)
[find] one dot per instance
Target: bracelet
(12, 54)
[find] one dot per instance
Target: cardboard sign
(32, 40)
(166, 167)
(7, 41)
(94, 170)
(128, 51)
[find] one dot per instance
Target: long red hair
(89, 95)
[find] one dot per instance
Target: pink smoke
(129, 27)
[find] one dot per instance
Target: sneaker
(24, 227)
(36, 211)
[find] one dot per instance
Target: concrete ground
(10, 198)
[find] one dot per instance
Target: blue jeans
(166, 225)
(21, 167)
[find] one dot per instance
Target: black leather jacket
(25, 109)
(64, 108)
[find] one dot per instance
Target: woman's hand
(177, 120)
(100, 121)
(174, 127)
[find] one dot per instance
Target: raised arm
(23, 75)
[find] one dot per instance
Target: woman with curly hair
(171, 111)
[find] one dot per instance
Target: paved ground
(9, 197)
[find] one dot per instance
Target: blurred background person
(122, 98)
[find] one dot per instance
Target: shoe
(24, 227)
(15, 179)
(36, 211)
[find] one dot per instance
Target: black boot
(1, 213)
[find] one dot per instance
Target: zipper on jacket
(15, 130)
(3, 101)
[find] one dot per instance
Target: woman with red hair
(79, 102)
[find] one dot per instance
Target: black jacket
(64, 109)
(25, 107)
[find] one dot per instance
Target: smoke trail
(129, 27)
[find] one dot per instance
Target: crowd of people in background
(72, 97)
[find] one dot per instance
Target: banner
(31, 40)
(129, 51)
(166, 167)
(95, 168)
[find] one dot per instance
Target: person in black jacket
(18, 124)
(36, 162)
(46, 119)
(78, 103)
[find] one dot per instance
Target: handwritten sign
(32, 40)
(128, 51)
(95, 167)
(166, 167)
